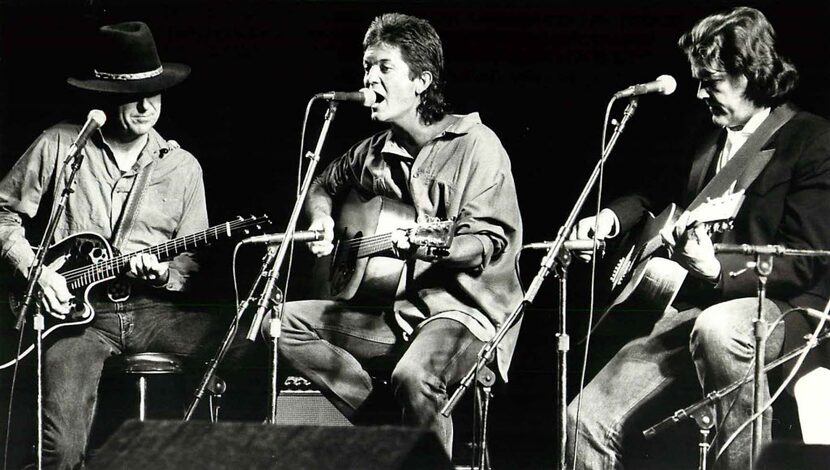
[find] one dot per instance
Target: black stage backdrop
(540, 74)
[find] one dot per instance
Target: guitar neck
(165, 251)
(369, 246)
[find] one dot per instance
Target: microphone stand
(29, 297)
(763, 268)
(210, 373)
(700, 408)
(265, 298)
(487, 352)
(269, 270)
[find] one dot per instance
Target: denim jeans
(74, 359)
(721, 342)
(335, 345)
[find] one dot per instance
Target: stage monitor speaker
(174, 445)
(308, 407)
(300, 403)
(784, 455)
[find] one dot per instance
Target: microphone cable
(592, 293)
(784, 384)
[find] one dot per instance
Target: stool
(146, 364)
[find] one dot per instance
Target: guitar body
(644, 276)
(354, 273)
(74, 252)
(87, 260)
(654, 283)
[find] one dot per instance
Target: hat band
(128, 76)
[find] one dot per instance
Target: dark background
(540, 74)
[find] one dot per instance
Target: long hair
(421, 49)
(742, 42)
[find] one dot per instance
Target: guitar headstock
(719, 209)
(432, 233)
(252, 223)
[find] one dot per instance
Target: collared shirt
(735, 139)
(173, 204)
(464, 172)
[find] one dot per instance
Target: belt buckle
(119, 290)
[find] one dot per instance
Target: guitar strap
(748, 161)
(125, 222)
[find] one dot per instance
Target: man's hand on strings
(56, 296)
(147, 267)
(694, 251)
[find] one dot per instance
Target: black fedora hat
(127, 61)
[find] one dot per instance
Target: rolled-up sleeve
(194, 218)
(489, 211)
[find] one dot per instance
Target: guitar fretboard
(79, 277)
(368, 246)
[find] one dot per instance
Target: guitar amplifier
(299, 403)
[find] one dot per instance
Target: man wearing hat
(135, 189)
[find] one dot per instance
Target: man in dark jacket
(781, 158)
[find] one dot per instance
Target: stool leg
(142, 397)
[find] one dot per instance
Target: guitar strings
(369, 239)
(116, 262)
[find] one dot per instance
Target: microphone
(816, 314)
(364, 96)
(95, 119)
(571, 245)
(272, 238)
(665, 85)
(745, 249)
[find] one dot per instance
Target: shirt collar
(460, 127)
(151, 151)
(751, 125)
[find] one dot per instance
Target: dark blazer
(788, 204)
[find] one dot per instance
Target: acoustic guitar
(362, 264)
(644, 274)
(87, 260)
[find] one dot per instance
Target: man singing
(446, 305)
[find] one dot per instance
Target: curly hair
(742, 42)
(421, 49)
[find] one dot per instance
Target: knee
(717, 333)
(291, 318)
(411, 381)
(294, 326)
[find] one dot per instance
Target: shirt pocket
(434, 196)
(161, 211)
